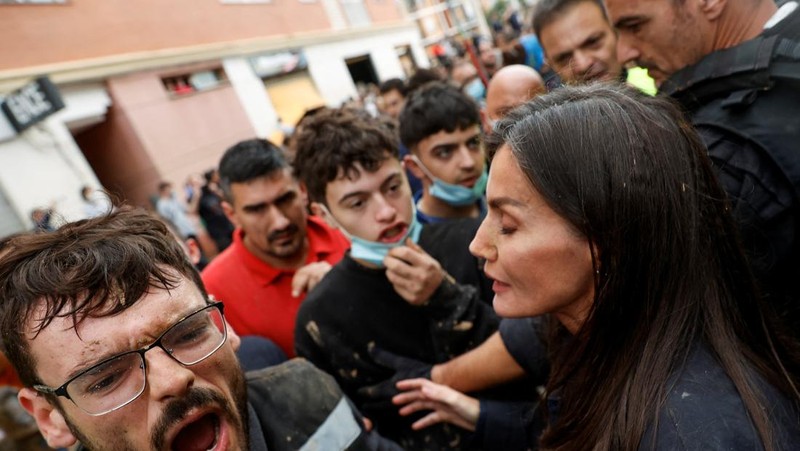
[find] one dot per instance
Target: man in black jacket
(735, 67)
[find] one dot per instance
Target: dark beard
(176, 410)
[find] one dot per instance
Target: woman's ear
(50, 420)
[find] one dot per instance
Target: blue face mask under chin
(458, 195)
(374, 252)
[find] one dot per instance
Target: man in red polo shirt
(279, 252)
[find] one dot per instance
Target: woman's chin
(505, 306)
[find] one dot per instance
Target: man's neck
(437, 208)
(742, 21)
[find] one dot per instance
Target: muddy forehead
(72, 347)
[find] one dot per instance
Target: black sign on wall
(32, 103)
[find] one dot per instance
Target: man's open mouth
(393, 234)
(200, 435)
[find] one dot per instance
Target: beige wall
(44, 34)
(150, 136)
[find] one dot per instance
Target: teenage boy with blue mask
(441, 127)
(396, 289)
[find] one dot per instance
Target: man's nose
(166, 377)
(626, 50)
(581, 63)
(278, 219)
(466, 158)
(385, 211)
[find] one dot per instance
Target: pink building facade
(158, 90)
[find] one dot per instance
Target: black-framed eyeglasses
(119, 380)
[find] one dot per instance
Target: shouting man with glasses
(119, 347)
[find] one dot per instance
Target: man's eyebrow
(253, 207)
(347, 196)
(288, 195)
(592, 38)
(450, 145)
(390, 179)
(87, 364)
(624, 22)
(563, 55)
(445, 146)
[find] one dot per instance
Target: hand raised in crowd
(414, 274)
(447, 405)
(308, 277)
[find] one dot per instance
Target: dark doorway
(361, 70)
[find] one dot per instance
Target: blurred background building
(155, 90)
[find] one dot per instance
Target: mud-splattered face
(182, 407)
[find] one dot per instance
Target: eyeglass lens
(116, 382)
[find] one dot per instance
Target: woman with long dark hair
(605, 215)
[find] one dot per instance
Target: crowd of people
(529, 252)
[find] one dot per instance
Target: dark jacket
(296, 406)
(745, 103)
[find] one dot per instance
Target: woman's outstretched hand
(446, 404)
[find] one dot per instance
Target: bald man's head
(511, 86)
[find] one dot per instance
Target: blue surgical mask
(456, 195)
(475, 89)
(374, 252)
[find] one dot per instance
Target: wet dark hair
(547, 11)
(435, 107)
(631, 175)
(95, 267)
(334, 141)
(249, 160)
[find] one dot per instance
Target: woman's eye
(506, 230)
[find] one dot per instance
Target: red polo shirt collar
(321, 243)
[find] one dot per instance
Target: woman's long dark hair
(632, 176)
